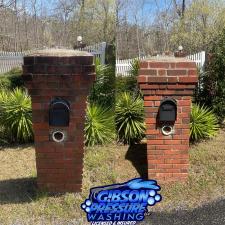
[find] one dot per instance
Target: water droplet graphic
(158, 198)
(88, 202)
(151, 201)
(83, 206)
(152, 193)
(88, 209)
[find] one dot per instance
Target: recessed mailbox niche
(59, 113)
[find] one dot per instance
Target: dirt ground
(21, 203)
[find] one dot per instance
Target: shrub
(16, 114)
(126, 84)
(129, 83)
(11, 79)
(99, 125)
(134, 68)
(103, 90)
(204, 123)
(212, 92)
(129, 118)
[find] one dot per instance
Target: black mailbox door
(59, 113)
(168, 110)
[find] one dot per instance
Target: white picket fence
(199, 58)
(10, 60)
(98, 50)
(123, 66)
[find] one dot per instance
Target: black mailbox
(59, 113)
(168, 110)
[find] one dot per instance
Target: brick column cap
(59, 52)
(167, 70)
(58, 61)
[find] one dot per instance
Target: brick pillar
(159, 79)
(65, 75)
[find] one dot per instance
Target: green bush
(99, 125)
(134, 68)
(204, 123)
(129, 118)
(129, 83)
(212, 89)
(16, 115)
(126, 84)
(103, 90)
(11, 79)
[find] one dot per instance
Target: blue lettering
(116, 196)
(102, 196)
(134, 196)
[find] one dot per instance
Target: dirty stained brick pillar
(67, 75)
(160, 79)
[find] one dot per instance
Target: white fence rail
(123, 66)
(10, 60)
(98, 50)
(199, 58)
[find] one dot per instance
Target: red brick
(161, 72)
(159, 65)
(143, 64)
(186, 65)
(172, 79)
(150, 120)
(152, 131)
(151, 98)
(148, 103)
(142, 79)
(157, 79)
(155, 142)
(147, 72)
(192, 73)
(172, 142)
(188, 79)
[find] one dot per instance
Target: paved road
(212, 214)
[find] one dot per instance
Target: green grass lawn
(20, 203)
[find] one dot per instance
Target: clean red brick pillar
(65, 75)
(160, 79)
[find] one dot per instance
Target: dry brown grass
(20, 203)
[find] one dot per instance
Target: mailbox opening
(167, 130)
(58, 136)
(59, 113)
(168, 110)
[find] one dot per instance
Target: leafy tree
(212, 89)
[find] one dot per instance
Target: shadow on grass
(137, 154)
(22, 190)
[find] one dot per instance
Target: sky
(144, 10)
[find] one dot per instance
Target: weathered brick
(59, 165)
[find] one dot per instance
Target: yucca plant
(16, 115)
(103, 90)
(204, 123)
(99, 125)
(129, 118)
(134, 68)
